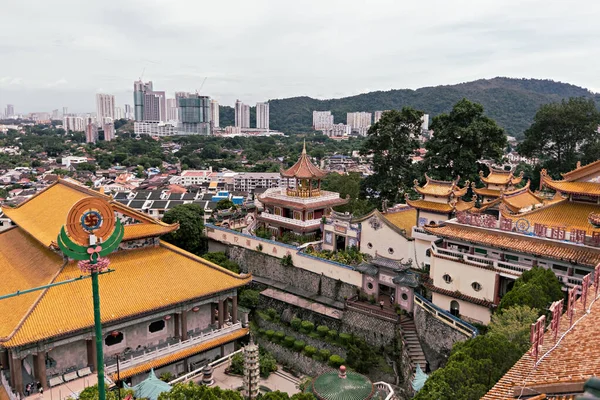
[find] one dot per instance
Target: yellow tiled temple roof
(520, 243)
(519, 199)
(24, 263)
(144, 280)
(487, 192)
(500, 177)
(439, 188)
(43, 214)
(462, 205)
(566, 214)
(582, 171)
(581, 188)
(430, 206)
(404, 219)
(171, 358)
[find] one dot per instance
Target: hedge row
(290, 342)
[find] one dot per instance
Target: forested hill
(511, 102)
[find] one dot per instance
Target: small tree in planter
(324, 354)
(288, 341)
(309, 351)
(322, 330)
(299, 345)
(278, 336)
(307, 327)
(296, 323)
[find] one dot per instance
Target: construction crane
(201, 86)
(142, 76)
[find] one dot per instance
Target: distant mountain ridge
(511, 102)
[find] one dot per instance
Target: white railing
(385, 387)
(297, 222)
(281, 193)
(421, 230)
(198, 371)
(7, 388)
(445, 317)
(172, 348)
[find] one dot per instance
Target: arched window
(447, 278)
(454, 308)
(476, 286)
(113, 338)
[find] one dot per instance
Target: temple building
(517, 201)
(162, 308)
(496, 182)
(481, 254)
(299, 207)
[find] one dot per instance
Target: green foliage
(190, 235)
(335, 361)
(85, 167)
(473, 368)
(322, 330)
(91, 393)
(221, 259)
(267, 363)
(332, 334)
(351, 256)
(249, 298)
(309, 351)
(299, 345)
(296, 323)
(461, 139)
(307, 327)
(348, 185)
(287, 261)
(224, 204)
(277, 395)
(361, 356)
(278, 337)
(192, 391)
(536, 288)
(166, 377)
(273, 314)
(288, 341)
(324, 354)
(270, 334)
(237, 364)
(263, 233)
(514, 324)
(261, 332)
(303, 396)
(392, 141)
(345, 338)
(563, 133)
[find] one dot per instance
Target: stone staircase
(413, 347)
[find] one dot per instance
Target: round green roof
(329, 386)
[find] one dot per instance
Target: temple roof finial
(304, 147)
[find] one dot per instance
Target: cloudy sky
(56, 53)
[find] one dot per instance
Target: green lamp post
(92, 232)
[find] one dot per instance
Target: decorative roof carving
(304, 168)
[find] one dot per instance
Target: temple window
(370, 245)
(370, 286)
(447, 278)
(404, 296)
(113, 338)
(277, 210)
(476, 286)
(310, 215)
(156, 326)
(454, 308)
(391, 251)
(297, 215)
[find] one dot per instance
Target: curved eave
(578, 188)
(303, 169)
(428, 192)
(487, 192)
(382, 217)
(430, 206)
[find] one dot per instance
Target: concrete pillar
(221, 313)
(222, 350)
(39, 362)
(234, 309)
(17, 367)
(177, 325)
(213, 308)
(91, 354)
(184, 327)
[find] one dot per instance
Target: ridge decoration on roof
(303, 168)
(439, 188)
(500, 177)
(571, 185)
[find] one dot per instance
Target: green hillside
(511, 102)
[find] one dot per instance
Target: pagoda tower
(496, 182)
(298, 208)
(251, 370)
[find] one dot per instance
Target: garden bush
(270, 334)
(296, 323)
(261, 332)
(273, 314)
(307, 326)
(314, 335)
(299, 345)
(332, 334)
(310, 350)
(278, 336)
(344, 337)
(324, 354)
(288, 341)
(322, 330)
(335, 361)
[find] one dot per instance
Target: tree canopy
(192, 391)
(392, 141)
(460, 140)
(348, 185)
(514, 323)
(536, 288)
(221, 259)
(190, 235)
(91, 393)
(562, 134)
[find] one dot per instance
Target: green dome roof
(329, 386)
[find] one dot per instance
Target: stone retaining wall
(298, 361)
(375, 331)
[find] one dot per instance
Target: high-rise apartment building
(129, 112)
(172, 110)
(10, 110)
(150, 105)
(109, 131)
(359, 119)
(119, 113)
(322, 120)
(425, 124)
(105, 108)
(91, 130)
(65, 111)
(73, 124)
(55, 114)
(194, 114)
(242, 115)
(262, 115)
(214, 113)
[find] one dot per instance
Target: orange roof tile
(582, 171)
(582, 188)
(52, 205)
(304, 169)
(462, 205)
(519, 199)
(430, 206)
(171, 358)
(144, 280)
(500, 177)
(404, 219)
(439, 188)
(487, 192)
(575, 358)
(566, 214)
(582, 255)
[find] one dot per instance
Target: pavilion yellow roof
(580, 188)
(582, 171)
(433, 187)
(43, 214)
(519, 199)
(304, 169)
(520, 243)
(24, 263)
(487, 192)
(430, 206)
(404, 219)
(462, 205)
(171, 358)
(565, 214)
(500, 177)
(144, 280)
